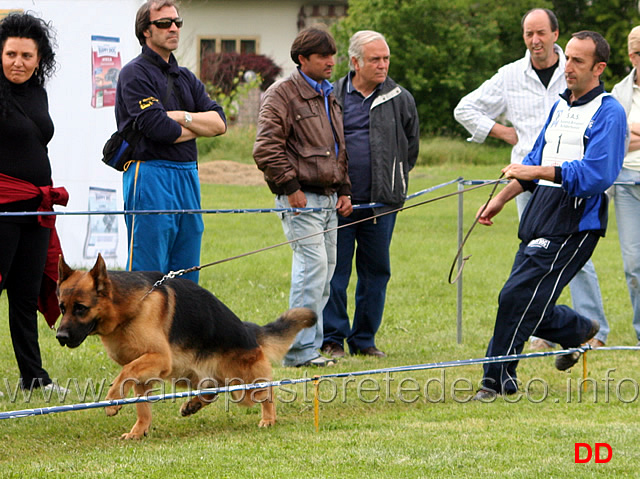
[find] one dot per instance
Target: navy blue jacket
(394, 139)
(581, 203)
(140, 96)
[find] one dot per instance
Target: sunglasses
(165, 23)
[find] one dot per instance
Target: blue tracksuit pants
(527, 303)
(163, 242)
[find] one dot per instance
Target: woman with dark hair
(28, 242)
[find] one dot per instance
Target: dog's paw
(267, 423)
(112, 410)
(134, 436)
(190, 407)
(139, 430)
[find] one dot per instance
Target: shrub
(223, 70)
(224, 76)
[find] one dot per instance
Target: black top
(545, 74)
(24, 135)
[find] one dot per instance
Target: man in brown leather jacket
(300, 148)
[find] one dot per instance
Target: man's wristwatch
(187, 118)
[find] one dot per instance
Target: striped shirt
(517, 92)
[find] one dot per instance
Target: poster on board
(102, 230)
(106, 64)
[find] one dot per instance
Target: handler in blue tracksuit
(171, 108)
(576, 157)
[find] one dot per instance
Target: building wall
(275, 23)
(275, 26)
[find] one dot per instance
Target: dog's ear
(64, 270)
(101, 277)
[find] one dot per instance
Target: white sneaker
(540, 344)
(53, 387)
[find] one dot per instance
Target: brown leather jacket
(295, 143)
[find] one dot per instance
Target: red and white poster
(106, 64)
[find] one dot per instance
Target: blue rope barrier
(150, 399)
(283, 382)
(212, 211)
(481, 182)
(252, 210)
(485, 360)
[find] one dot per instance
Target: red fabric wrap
(14, 189)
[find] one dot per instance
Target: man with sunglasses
(170, 108)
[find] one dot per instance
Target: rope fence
(213, 211)
(315, 379)
(461, 183)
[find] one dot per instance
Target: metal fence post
(459, 282)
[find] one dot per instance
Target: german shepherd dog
(179, 331)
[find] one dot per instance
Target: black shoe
(332, 349)
(595, 327)
(370, 351)
(566, 361)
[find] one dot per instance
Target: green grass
(447, 151)
(237, 145)
(366, 432)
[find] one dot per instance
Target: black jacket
(394, 138)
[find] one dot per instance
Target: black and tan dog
(179, 331)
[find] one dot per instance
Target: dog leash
(175, 274)
(475, 222)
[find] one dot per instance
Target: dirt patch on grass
(224, 172)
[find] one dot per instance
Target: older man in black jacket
(382, 136)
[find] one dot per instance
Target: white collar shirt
(516, 92)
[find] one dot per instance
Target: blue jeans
(521, 201)
(627, 204)
(373, 267)
(163, 242)
(314, 260)
(585, 289)
(587, 299)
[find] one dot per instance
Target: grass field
(408, 425)
(237, 145)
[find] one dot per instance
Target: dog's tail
(276, 337)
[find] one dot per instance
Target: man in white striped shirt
(524, 91)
